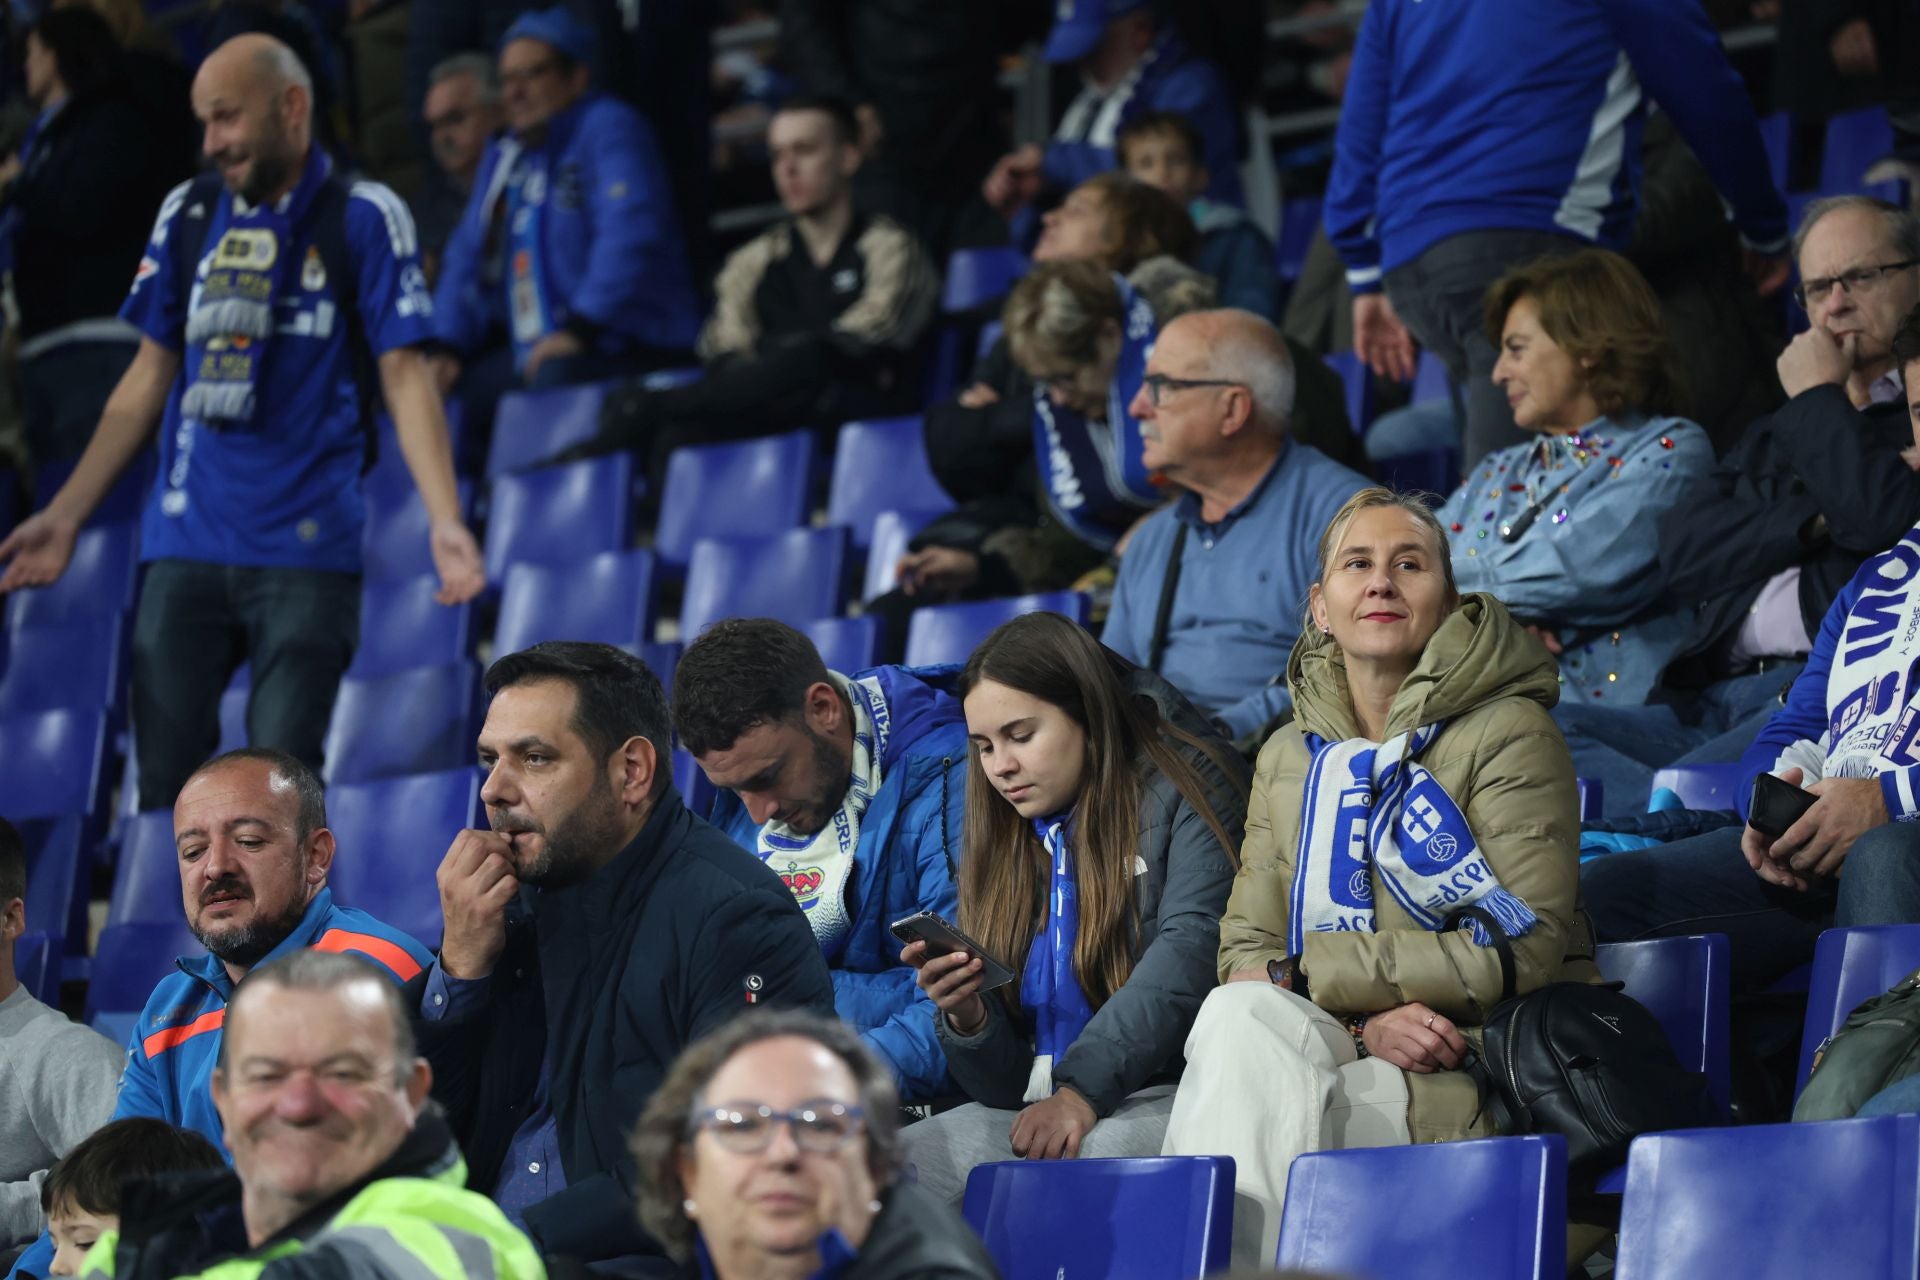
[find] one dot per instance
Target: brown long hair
(1003, 878)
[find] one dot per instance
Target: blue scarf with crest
(1049, 989)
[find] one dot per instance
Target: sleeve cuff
(1364, 279)
(1900, 788)
(448, 997)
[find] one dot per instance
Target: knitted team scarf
(1049, 988)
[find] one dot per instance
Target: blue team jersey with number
(283, 491)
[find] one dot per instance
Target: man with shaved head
(1211, 587)
(276, 301)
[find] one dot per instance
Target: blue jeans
(1899, 1098)
(197, 622)
(1704, 885)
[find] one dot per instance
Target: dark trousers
(1441, 295)
(197, 622)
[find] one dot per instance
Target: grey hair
(329, 971)
(477, 65)
(1246, 348)
(1172, 288)
(1903, 229)
(281, 66)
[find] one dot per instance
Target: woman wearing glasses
(1103, 823)
(768, 1153)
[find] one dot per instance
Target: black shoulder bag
(1583, 1060)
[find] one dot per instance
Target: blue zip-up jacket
(613, 265)
(910, 840)
(1865, 616)
(1480, 115)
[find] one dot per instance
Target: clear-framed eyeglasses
(820, 1125)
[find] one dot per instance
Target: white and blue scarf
(816, 867)
(1049, 989)
(1873, 684)
(1371, 805)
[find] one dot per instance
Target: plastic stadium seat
(37, 968)
(1683, 984)
(1776, 135)
(1593, 798)
(794, 576)
(892, 531)
(846, 645)
(1434, 471)
(389, 838)
(606, 598)
(1854, 142)
(395, 542)
(1431, 381)
(132, 958)
(402, 626)
(1492, 1208)
(530, 426)
(389, 480)
(1357, 380)
(233, 710)
(881, 466)
(976, 277)
(1839, 1200)
(1850, 967)
(73, 664)
(950, 632)
(124, 501)
(1702, 786)
(146, 881)
(733, 491)
(57, 881)
(415, 721)
(53, 762)
(990, 333)
(560, 513)
(691, 782)
(1161, 1216)
(1299, 222)
(98, 583)
(661, 658)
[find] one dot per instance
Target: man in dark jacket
(592, 933)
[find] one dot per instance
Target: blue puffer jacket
(612, 259)
(910, 839)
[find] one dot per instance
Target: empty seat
(881, 466)
(661, 658)
(1839, 1200)
(531, 426)
(1683, 983)
(977, 277)
(132, 958)
(951, 632)
(53, 763)
(1855, 141)
(395, 544)
(37, 968)
(1492, 1208)
(1850, 967)
(57, 880)
(1702, 786)
(1592, 798)
(560, 513)
(146, 880)
(98, 582)
(70, 664)
(892, 531)
(606, 598)
(794, 576)
(389, 838)
(1160, 1216)
(732, 491)
(402, 626)
(416, 721)
(846, 644)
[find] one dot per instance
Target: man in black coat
(592, 933)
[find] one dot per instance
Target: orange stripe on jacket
(161, 1041)
(394, 957)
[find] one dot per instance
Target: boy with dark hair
(1164, 150)
(81, 1196)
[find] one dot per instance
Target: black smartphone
(942, 939)
(1776, 805)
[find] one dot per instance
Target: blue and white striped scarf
(1371, 805)
(1049, 989)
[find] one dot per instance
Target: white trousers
(1269, 1077)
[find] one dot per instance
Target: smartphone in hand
(1776, 805)
(943, 938)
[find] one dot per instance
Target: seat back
(738, 490)
(394, 544)
(1683, 983)
(402, 626)
(1838, 1199)
(98, 583)
(1357, 382)
(530, 426)
(132, 958)
(1431, 381)
(1850, 967)
(1299, 223)
(690, 781)
(390, 836)
(560, 513)
(892, 531)
(951, 632)
(976, 277)
(795, 576)
(881, 466)
(53, 762)
(389, 479)
(57, 882)
(37, 968)
(1161, 1216)
(66, 664)
(606, 598)
(124, 500)
(661, 657)
(1855, 140)
(1492, 1208)
(367, 740)
(146, 881)
(846, 645)
(1702, 786)
(1429, 471)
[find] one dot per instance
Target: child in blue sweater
(1164, 150)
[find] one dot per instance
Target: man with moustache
(596, 930)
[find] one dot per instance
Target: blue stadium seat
(1702, 786)
(1163, 1216)
(691, 782)
(395, 542)
(73, 664)
(560, 514)
(1431, 381)
(606, 598)
(53, 763)
(132, 958)
(37, 968)
(1430, 471)
(950, 632)
(1491, 1208)
(389, 838)
(977, 277)
(796, 576)
(530, 426)
(1299, 222)
(1839, 1200)
(1776, 135)
(1855, 141)
(733, 491)
(389, 481)
(124, 501)
(1593, 798)
(661, 657)
(1683, 983)
(415, 721)
(846, 645)
(402, 626)
(57, 880)
(1850, 967)
(98, 583)
(990, 333)
(233, 710)
(881, 466)
(146, 880)
(892, 531)
(1357, 380)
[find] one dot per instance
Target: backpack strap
(1501, 943)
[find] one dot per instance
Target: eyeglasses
(1814, 292)
(1157, 385)
(820, 1126)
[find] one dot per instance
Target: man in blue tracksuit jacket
(853, 788)
(569, 245)
(1477, 135)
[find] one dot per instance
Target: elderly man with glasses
(1210, 589)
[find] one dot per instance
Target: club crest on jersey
(313, 272)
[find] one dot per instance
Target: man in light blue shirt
(1214, 412)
